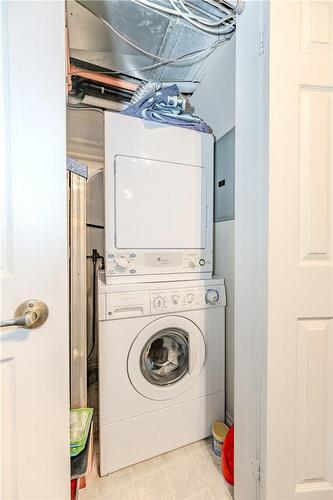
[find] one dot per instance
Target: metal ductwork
(134, 38)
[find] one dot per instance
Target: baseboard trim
(228, 420)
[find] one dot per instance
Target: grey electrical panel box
(224, 177)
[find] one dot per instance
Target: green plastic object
(80, 420)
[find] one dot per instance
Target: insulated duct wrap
(167, 37)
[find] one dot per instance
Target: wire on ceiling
(189, 55)
(162, 61)
(224, 25)
(206, 25)
(204, 21)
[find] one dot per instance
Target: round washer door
(166, 358)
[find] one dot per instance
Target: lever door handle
(30, 314)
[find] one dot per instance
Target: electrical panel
(224, 177)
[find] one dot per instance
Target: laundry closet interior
(151, 237)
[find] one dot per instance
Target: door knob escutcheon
(30, 314)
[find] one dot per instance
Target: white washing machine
(161, 367)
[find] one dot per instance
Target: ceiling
(93, 44)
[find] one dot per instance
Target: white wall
(214, 98)
(214, 101)
(224, 266)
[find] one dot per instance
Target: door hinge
(261, 43)
(257, 471)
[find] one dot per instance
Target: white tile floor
(189, 473)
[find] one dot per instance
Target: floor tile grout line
(170, 485)
(198, 468)
(195, 465)
(144, 475)
(218, 471)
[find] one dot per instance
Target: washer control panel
(119, 301)
(165, 301)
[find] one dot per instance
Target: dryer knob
(120, 264)
(212, 296)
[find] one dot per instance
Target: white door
(299, 406)
(34, 362)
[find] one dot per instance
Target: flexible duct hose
(144, 89)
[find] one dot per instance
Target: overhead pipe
(102, 78)
(73, 70)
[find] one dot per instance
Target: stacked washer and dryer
(161, 314)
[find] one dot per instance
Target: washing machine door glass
(165, 357)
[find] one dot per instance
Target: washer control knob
(159, 302)
(120, 264)
(190, 298)
(175, 299)
(212, 296)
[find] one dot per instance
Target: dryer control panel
(165, 301)
(148, 263)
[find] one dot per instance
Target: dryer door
(170, 198)
(166, 358)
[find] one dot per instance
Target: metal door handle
(30, 314)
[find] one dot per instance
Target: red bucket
(227, 462)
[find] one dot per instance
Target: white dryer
(158, 201)
(161, 367)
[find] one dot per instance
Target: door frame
(251, 246)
